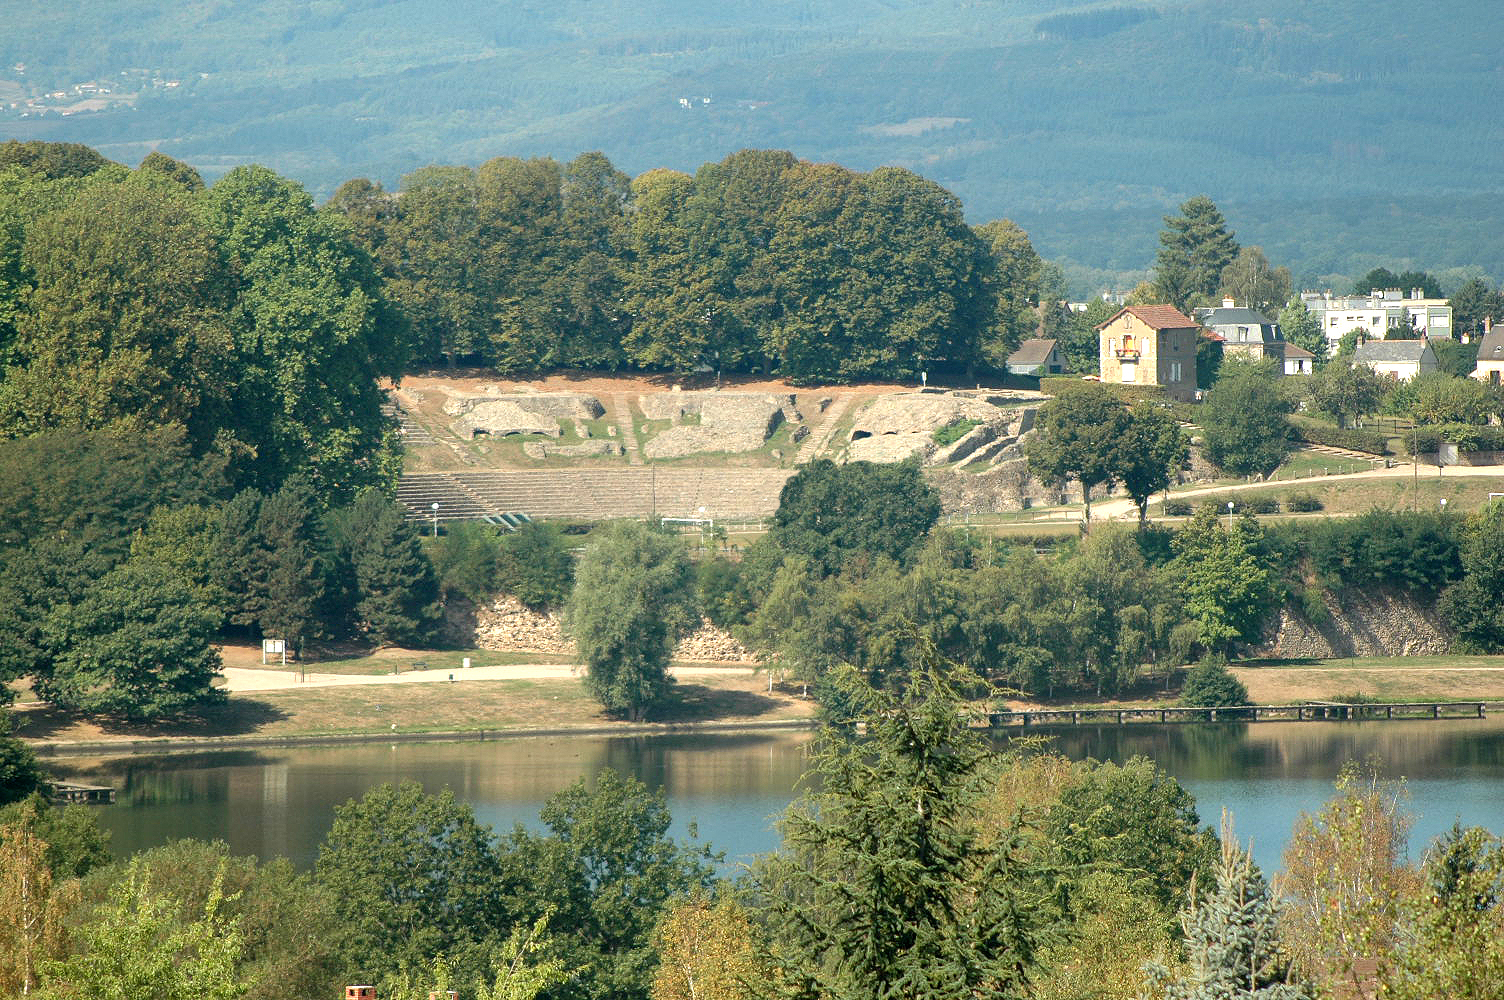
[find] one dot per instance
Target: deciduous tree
(412, 876)
(1227, 591)
(1345, 879)
(1250, 280)
(833, 514)
(1150, 450)
(1244, 420)
(137, 645)
(140, 947)
(1076, 437)
(634, 596)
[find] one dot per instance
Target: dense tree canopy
(1244, 420)
(832, 514)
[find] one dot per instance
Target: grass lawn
(1424, 492)
(463, 705)
(1391, 678)
(400, 661)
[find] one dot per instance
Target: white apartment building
(1378, 313)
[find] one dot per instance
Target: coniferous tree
(1231, 938)
(395, 587)
(885, 886)
(1195, 248)
(290, 581)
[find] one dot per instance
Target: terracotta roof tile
(1158, 317)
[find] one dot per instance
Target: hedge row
(1371, 442)
(1467, 437)
(1295, 503)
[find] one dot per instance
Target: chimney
(360, 993)
(1417, 293)
(1227, 302)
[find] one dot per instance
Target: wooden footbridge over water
(1317, 711)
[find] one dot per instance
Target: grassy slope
(1303, 120)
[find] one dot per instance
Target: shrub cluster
(1371, 442)
(1411, 550)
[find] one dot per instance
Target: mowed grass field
(1395, 678)
(462, 705)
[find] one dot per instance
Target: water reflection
(730, 785)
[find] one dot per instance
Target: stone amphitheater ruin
(723, 421)
(500, 415)
(694, 454)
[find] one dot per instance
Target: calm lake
(730, 786)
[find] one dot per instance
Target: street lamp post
(435, 519)
(1229, 513)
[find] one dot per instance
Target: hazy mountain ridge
(1055, 113)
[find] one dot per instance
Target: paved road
(250, 679)
(1107, 510)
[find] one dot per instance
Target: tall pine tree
(394, 581)
(1195, 247)
(291, 579)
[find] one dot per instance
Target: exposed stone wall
(1380, 622)
(507, 624)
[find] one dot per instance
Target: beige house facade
(1490, 366)
(1151, 346)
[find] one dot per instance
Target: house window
(1130, 372)
(1493, 377)
(1174, 371)
(1112, 345)
(1127, 343)
(1334, 322)
(1242, 333)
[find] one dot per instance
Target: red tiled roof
(1158, 317)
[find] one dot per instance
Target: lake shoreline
(189, 744)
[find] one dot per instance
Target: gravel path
(238, 679)
(1106, 510)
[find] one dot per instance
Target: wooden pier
(68, 792)
(1322, 711)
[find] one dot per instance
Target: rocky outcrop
(507, 624)
(714, 421)
(498, 414)
(1379, 622)
(919, 413)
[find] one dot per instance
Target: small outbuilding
(1035, 357)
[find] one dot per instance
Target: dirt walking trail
(243, 679)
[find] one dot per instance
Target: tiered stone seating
(596, 494)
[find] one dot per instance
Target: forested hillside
(1345, 135)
